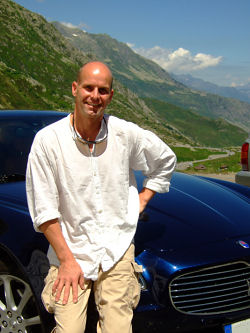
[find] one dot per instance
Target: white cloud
(180, 60)
(238, 82)
(130, 45)
(69, 25)
(73, 26)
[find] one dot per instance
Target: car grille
(213, 290)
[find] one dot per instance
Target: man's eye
(88, 88)
(103, 91)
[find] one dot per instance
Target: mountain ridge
(149, 80)
(241, 92)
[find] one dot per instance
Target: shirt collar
(101, 136)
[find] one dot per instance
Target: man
(82, 195)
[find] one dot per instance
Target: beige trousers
(117, 293)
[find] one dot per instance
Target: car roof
(28, 113)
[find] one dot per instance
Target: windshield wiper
(4, 178)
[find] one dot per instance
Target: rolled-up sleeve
(41, 189)
(154, 158)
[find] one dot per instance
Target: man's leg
(117, 293)
(70, 317)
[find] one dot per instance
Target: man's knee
(72, 316)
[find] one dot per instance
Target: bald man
(82, 195)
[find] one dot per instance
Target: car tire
(19, 311)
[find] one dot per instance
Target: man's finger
(75, 292)
(59, 291)
(66, 293)
(55, 285)
(81, 282)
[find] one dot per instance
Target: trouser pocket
(47, 296)
(136, 287)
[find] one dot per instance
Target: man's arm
(153, 157)
(145, 196)
(69, 273)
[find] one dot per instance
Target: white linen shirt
(94, 194)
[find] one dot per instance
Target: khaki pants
(117, 293)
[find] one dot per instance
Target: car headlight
(142, 282)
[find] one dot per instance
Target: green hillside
(36, 62)
(202, 130)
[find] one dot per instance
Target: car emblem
(243, 244)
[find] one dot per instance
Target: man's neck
(87, 128)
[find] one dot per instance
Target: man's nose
(95, 93)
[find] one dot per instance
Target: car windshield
(16, 136)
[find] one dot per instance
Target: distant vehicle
(243, 176)
(193, 244)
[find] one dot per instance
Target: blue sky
(209, 39)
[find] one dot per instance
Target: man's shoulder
(120, 124)
(48, 134)
(54, 127)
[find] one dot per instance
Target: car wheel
(18, 308)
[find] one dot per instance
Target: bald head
(92, 91)
(95, 68)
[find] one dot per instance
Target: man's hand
(69, 276)
(145, 196)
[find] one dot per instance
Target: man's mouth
(94, 105)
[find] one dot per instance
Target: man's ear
(111, 95)
(74, 88)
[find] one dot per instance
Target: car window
(16, 136)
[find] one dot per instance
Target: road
(184, 165)
(230, 177)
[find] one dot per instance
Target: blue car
(193, 244)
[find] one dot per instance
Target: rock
(223, 167)
(200, 167)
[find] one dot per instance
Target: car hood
(13, 194)
(194, 213)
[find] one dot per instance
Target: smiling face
(92, 90)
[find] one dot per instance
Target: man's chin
(94, 114)
(94, 110)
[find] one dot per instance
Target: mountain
(38, 65)
(147, 79)
(36, 61)
(203, 130)
(199, 84)
(244, 89)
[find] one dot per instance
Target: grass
(205, 131)
(193, 154)
(230, 164)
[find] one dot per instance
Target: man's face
(92, 91)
